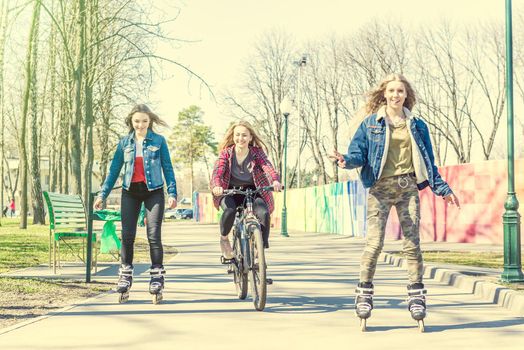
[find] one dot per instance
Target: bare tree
(486, 64)
(445, 89)
(268, 78)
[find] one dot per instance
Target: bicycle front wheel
(258, 270)
(239, 276)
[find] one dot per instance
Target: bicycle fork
(244, 242)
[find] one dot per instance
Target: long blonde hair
(376, 97)
(228, 137)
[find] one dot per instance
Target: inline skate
(364, 303)
(156, 284)
(125, 280)
(417, 303)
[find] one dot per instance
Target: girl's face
(140, 123)
(241, 136)
(395, 94)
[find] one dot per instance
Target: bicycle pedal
(225, 261)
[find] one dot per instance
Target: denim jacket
(369, 148)
(156, 161)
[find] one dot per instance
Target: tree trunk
(76, 122)
(23, 123)
(37, 198)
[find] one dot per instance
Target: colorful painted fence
(341, 207)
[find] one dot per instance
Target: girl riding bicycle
(242, 163)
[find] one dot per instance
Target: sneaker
(225, 247)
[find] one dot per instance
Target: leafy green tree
(191, 140)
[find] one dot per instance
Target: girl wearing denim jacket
(393, 149)
(145, 157)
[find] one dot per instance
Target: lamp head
(285, 106)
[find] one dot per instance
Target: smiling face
(140, 123)
(241, 136)
(395, 95)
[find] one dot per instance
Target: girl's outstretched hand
(452, 200)
(337, 157)
(277, 186)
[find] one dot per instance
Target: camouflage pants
(399, 191)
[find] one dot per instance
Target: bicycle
(248, 250)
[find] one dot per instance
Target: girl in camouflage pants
(394, 151)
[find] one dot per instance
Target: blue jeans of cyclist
(229, 205)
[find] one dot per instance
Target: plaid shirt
(263, 173)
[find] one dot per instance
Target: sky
(220, 36)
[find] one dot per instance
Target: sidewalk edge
(488, 291)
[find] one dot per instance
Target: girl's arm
(440, 187)
(358, 149)
(167, 168)
(219, 169)
(114, 172)
(267, 167)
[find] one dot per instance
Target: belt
(402, 181)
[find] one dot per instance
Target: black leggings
(229, 205)
(130, 209)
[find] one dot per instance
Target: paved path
(310, 306)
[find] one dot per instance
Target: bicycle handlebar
(249, 191)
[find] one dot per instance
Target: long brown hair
(228, 137)
(142, 108)
(376, 97)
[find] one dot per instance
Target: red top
(138, 172)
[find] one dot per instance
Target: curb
(488, 291)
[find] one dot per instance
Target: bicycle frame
(245, 223)
(249, 257)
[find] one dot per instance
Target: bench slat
(66, 221)
(71, 207)
(54, 195)
(69, 215)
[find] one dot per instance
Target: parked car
(186, 214)
(171, 213)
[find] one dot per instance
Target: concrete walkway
(310, 306)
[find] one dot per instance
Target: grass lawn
(493, 260)
(479, 259)
(24, 248)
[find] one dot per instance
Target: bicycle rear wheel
(239, 277)
(258, 270)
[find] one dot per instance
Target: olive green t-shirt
(399, 158)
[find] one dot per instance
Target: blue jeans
(130, 210)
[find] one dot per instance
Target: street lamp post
(285, 109)
(301, 64)
(511, 218)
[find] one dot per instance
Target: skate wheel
(157, 298)
(363, 324)
(421, 326)
(123, 298)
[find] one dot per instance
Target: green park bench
(67, 221)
